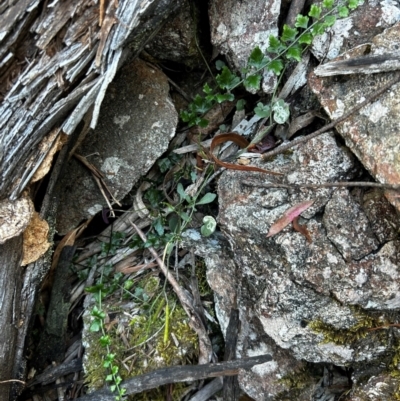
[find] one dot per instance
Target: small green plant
(288, 47)
(100, 290)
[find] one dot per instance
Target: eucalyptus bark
(10, 284)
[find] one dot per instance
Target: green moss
(352, 334)
(201, 274)
(296, 381)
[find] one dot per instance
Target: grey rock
(136, 124)
(176, 40)
(372, 133)
(282, 284)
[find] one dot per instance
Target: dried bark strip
(10, 282)
(55, 63)
(360, 65)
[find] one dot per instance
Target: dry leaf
(288, 217)
(301, 229)
(14, 217)
(35, 239)
(68, 240)
(243, 143)
(49, 142)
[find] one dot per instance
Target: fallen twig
(394, 187)
(98, 177)
(187, 304)
(178, 374)
(345, 116)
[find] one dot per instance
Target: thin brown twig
(385, 326)
(98, 177)
(394, 187)
(186, 302)
(345, 116)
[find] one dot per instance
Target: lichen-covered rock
(301, 301)
(371, 133)
(237, 27)
(362, 24)
(137, 122)
(383, 387)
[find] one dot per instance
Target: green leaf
(93, 289)
(306, 38)
(227, 80)
(281, 111)
(185, 116)
(315, 11)
(114, 369)
(207, 89)
(201, 105)
(294, 52)
(219, 65)
(128, 284)
(262, 110)
(329, 20)
(343, 12)
(257, 59)
(275, 45)
(164, 164)
(328, 4)
(109, 378)
(182, 194)
(225, 97)
(301, 21)
(276, 66)
(207, 198)
(208, 227)
(203, 123)
(104, 341)
(240, 104)
(113, 388)
(289, 34)
(158, 225)
(174, 223)
(154, 197)
(184, 216)
(318, 29)
(95, 325)
(252, 82)
(353, 4)
(98, 313)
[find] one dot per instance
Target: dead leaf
(50, 145)
(243, 143)
(301, 229)
(68, 240)
(288, 217)
(35, 239)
